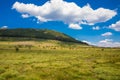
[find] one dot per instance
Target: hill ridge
(30, 33)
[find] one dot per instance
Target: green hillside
(35, 34)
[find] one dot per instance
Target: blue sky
(96, 22)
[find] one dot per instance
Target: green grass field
(55, 60)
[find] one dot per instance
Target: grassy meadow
(55, 60)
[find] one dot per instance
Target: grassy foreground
(58, 61)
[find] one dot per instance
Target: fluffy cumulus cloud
(75, 26)
(25, 15)
(96, 28)
(115, 26)
(4, 27)
(108, 43)
(106, 34)
(68, 12)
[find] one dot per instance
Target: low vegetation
(56, 60)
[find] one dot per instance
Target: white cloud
(87, 42)
(108, 43)
(106, 40)
(115, 26)
(96, 28)
(75, 26)
(104, 43)
(4, 27)
(107, 34)
(25, 15)
(68, 12)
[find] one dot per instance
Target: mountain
(35, 34)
